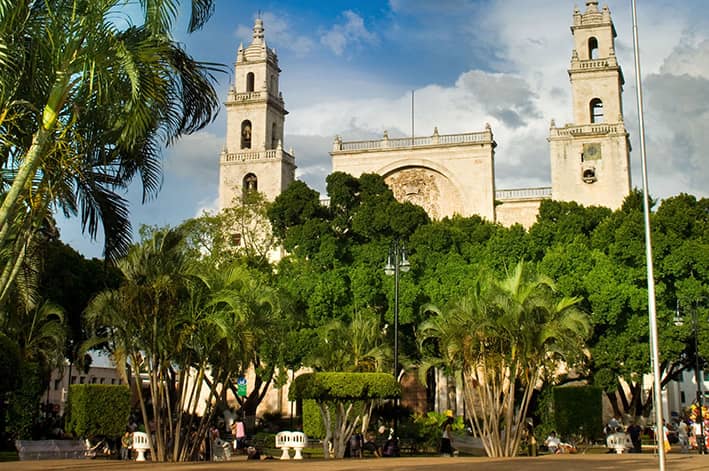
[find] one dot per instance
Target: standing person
(446, 444)
(634, 430)
(126, 445)
(683, 436)
(239, 433)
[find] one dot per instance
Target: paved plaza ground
(675, 462)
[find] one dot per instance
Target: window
(596, 110)
(246, 134)
(592, 48)
(250, 183)
(57, 383)
(274, 141)
(82, 379)
(250, 82)
(73, 380)
(589, 175)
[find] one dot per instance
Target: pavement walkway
(580, 462)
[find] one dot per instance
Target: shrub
(98, 409)
(578, 411)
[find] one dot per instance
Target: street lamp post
(396, 263)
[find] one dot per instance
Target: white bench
(287, 440)
(140, 444)
(620, 442)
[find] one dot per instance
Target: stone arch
(425, 184)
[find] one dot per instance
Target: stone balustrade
(588, 129)
(249, 155)
(484, 137)
(594, 64)
(523, 193)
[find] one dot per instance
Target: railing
(581, 129)
(591, 64)
(404, 142)
(247, 96)
(523, 193)
(247, 156)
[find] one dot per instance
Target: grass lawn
(8, 456)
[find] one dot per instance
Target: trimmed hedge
(578, 410)
(98, 409)
(344, 386)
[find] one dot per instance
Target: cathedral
(446, 174)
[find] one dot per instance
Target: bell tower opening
(592, 48)
(596, 108)
(246, 134)
(250, 184)
(250, 82)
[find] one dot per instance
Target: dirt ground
(642, 462)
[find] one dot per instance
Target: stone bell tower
(590, 157)
(253, 157)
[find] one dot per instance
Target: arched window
(592, 48)
(250, 184)
(596, 110)
(250, 82)
(246, 134)
(274, 138)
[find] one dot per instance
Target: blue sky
(349, 67)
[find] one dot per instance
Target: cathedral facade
(446, 174)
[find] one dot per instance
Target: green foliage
(23, 410)
(344, 386)
(570, 411)
(98, 410)
(10, 362)
(578, 411)
(430, 427)
(312, 420)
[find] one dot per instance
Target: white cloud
(195, 156)
(351, 33)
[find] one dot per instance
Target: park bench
(140, 444)
(50, 449)
(287, 440)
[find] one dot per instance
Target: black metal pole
(396, 309)
(396, 332)
(701, 443)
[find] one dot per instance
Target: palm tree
(142, 321)
(503, 335)
(356, 346)
(87, 99)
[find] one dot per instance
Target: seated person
(552, 442)
(371, 445)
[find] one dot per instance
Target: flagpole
(655, 355)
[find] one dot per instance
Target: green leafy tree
(337, 396)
